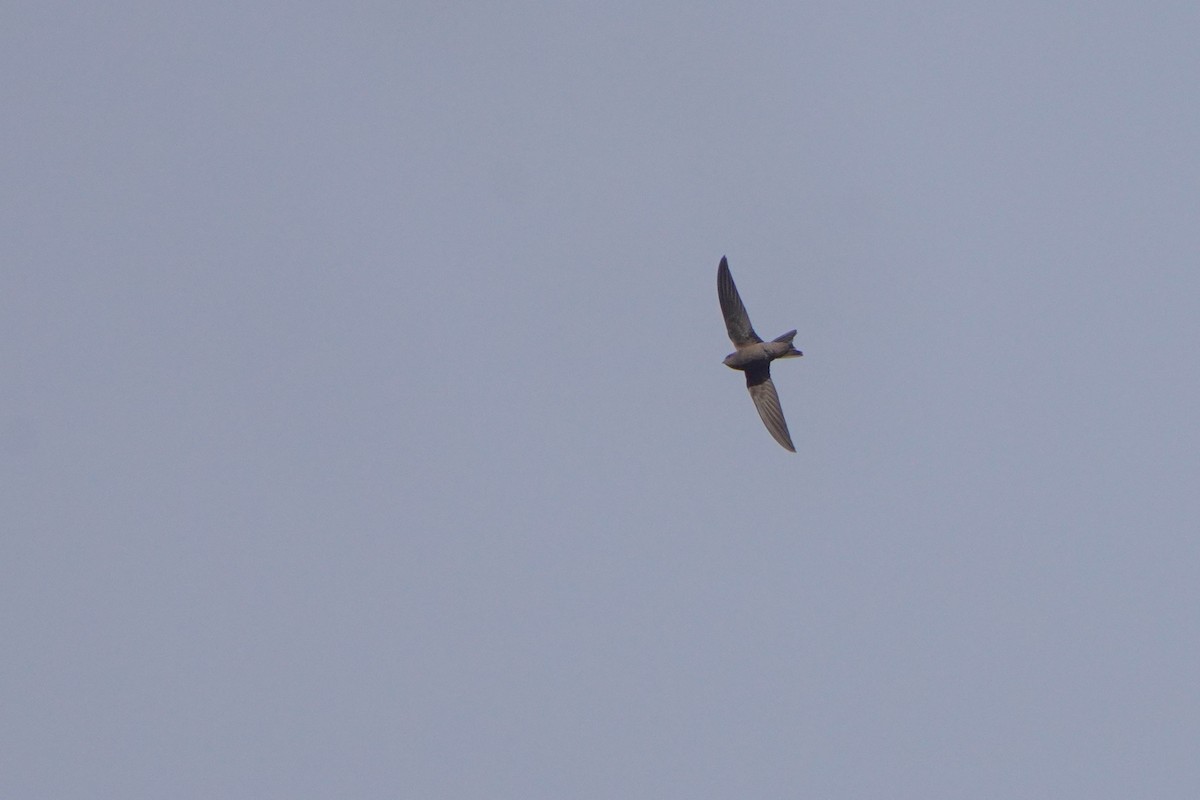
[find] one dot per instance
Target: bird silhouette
(754, 356)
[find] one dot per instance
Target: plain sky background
(364, 430)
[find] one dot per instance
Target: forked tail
(787, 337)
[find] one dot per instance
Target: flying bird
(754, 356)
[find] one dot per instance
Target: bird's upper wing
(766, 400)
(737, 321)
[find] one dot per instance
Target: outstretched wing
(766, 400)
(737, 321)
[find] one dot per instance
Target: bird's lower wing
(766, 400)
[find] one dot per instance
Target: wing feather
(766, 400)
(737, 321)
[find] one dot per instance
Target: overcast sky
(364, 431)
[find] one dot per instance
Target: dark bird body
(754, 356)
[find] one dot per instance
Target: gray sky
(365, 433)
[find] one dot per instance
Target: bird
(754, 356)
